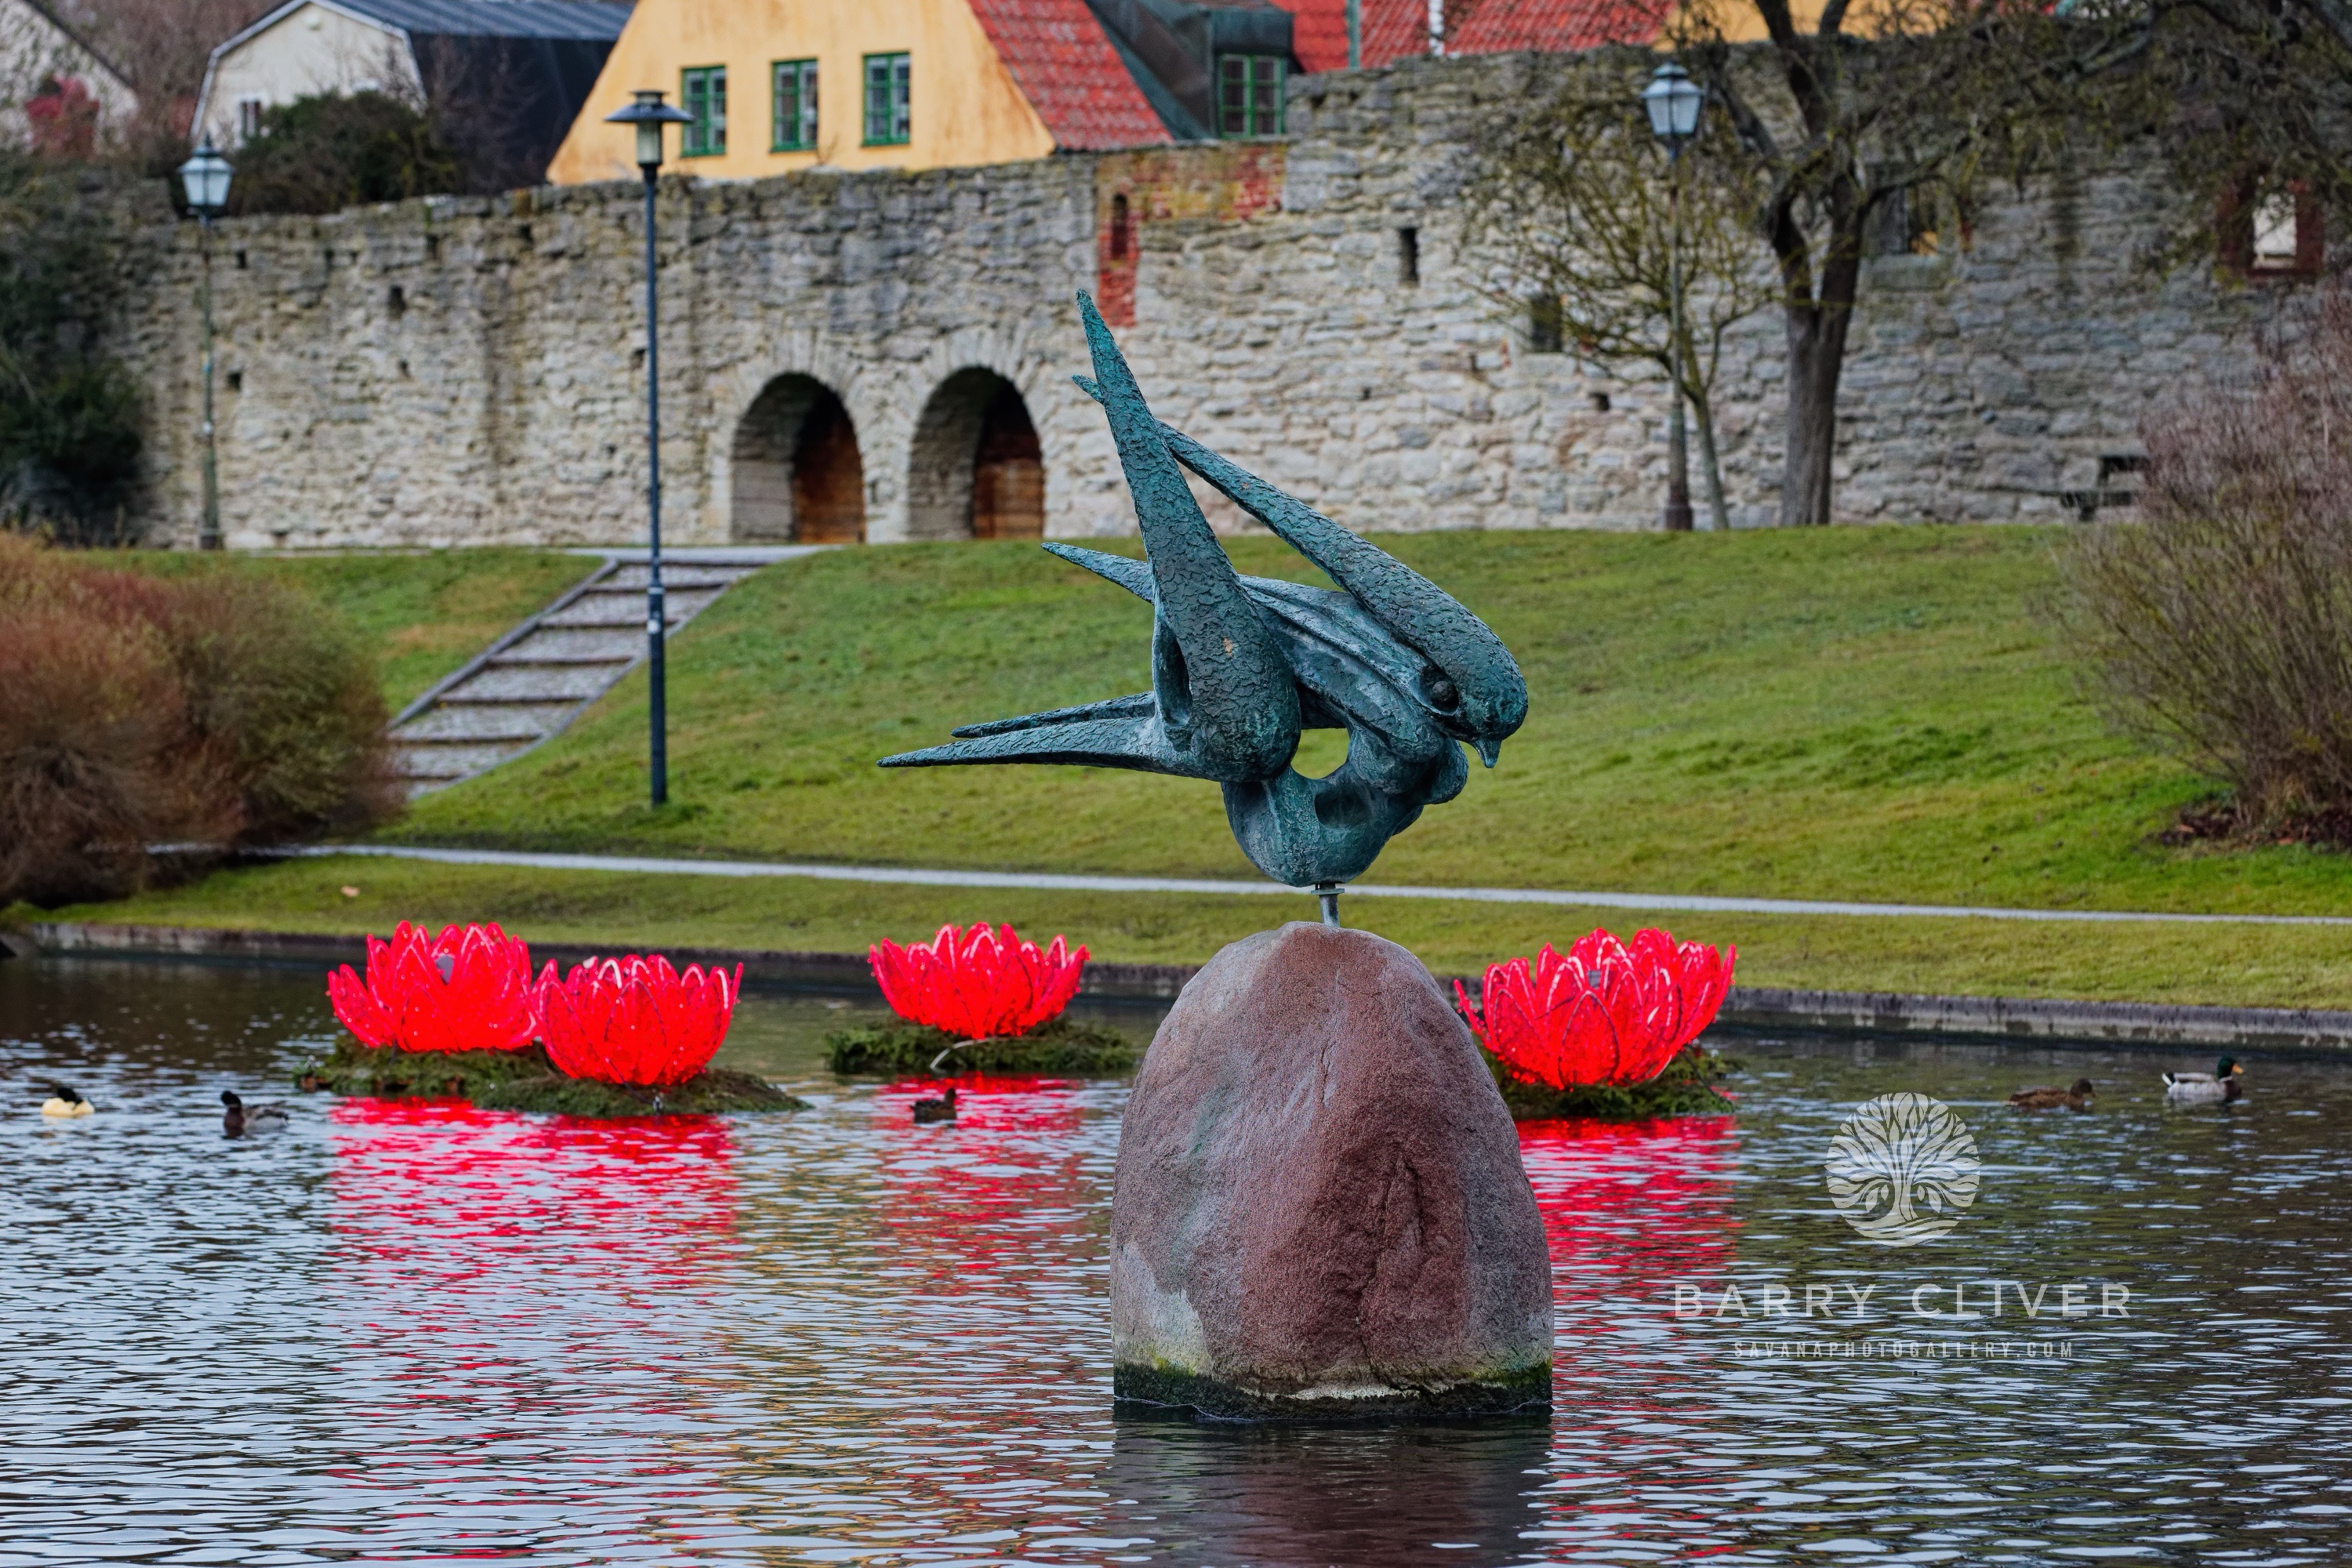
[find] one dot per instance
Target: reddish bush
(2219, 620)
(136, 711)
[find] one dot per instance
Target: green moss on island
(1686, 1088)
(390, 1073)
(527, 1080)
(706, 1094)
(1063, 1045)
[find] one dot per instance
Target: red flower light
(1603, 1015)
(977, 984)
(635, 1020)
(467, 989)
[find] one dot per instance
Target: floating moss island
(1686, 1088)
(1063, 1045)
(527, 1080)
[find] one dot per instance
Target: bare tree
(1570, 204)
(1841, 126)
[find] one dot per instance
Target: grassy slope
(1857, 714)
(424, 614)
(1866, 713)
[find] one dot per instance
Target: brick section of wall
(503, 399)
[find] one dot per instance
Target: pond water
(411, 1332)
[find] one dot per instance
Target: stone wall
(462, 370)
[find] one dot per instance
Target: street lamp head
(205, 177)
(649, 114)
(1673, 102)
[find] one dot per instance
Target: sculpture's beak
(1489, 748)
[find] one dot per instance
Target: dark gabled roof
(593, 19)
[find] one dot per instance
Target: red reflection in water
(456, 1191)
(994, 1188)
(512, 1284)
(1632, 1208)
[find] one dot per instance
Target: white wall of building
(301, 51)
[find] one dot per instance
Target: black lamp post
(1673, 102)
(205, 177)
(649, 114)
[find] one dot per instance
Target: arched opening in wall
(976, 468)
(797, 473)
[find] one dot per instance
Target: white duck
(64, 1102)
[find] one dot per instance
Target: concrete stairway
(533, 681)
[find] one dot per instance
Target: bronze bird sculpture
(1241, 666)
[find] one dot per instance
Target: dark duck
(238, 1118)
(2077, 1098)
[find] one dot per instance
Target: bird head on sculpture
(1241, 666)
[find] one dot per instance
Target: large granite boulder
(1320, 1209)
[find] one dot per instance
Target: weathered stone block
(1320, 1208)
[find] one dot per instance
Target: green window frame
(890, 107)
(1249, 94)
(702, 92)
(795, 104)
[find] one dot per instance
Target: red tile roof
(1395, 28)
(1064, 65)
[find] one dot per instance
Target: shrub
(136, 711)
(69, 414)
(321, 153)
(2220, 622)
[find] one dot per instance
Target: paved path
(1050, 880)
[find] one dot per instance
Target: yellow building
(777, 86)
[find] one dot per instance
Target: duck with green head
(2217, 1088)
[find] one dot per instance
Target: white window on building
(2277, 232)
(248, 117)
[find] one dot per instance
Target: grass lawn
(1856, 712)
(1871, 714)
(425, 614)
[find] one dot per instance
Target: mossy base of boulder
(387, 1072)
(1173, 1389)
(706, 1094)
(1062, 1045)
(1686, 1088)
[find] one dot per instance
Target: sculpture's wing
(1227, 697)
(1140, 704)
(1493, 694)
(1135, 577)
(1128, 740)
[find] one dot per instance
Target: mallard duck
(2217, 1088)
(2075, 1099)
(239, 1117)
(940, 1109)
(64, 1102)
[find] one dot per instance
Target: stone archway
(976, 469)
(797, 474)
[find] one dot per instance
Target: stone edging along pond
(1747, 1006)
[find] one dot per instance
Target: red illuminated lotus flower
(977, 984)
(635, 1020)
(467, 989)
(1603, 1015)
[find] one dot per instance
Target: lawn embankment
(1875, 714)
(423, 613)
